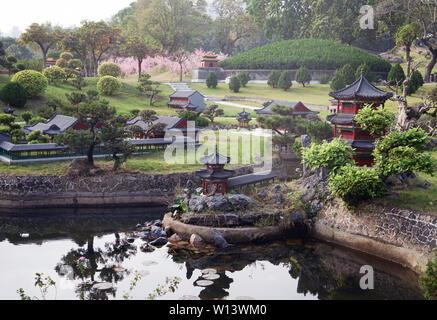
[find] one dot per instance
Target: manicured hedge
(314, 54)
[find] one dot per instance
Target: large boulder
(197, 203)
(219, 241)
(239, 201)
(218, 203)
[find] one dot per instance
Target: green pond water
(283, 270)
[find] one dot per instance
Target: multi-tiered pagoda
(349, 101)
(244, 119)
(215, 177)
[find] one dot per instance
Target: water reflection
(295, 269)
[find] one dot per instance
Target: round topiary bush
(109, 69)
(396, 76)
(211, 80)
(14, 94)
(234, 84)
(108, 85)
(33, 82)
(54, 74)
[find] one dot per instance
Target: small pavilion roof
(361, 89)
(215, 158)
(57, 124)
(244, 113)
(341, 118)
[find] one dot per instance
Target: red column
(335, 131)
(354, 135)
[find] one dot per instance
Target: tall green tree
(176, 25)
(43, 36)
(232, 24)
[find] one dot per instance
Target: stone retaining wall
(98, 191)
(404, 236)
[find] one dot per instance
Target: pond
(52, 242)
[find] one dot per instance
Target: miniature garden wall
(105, 190)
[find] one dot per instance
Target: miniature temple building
(209, 60)
(187, 100)
(243, 119)
(215, 176)
(299, 109)
(349, 101)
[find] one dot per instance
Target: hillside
(312, 53)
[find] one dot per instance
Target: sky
(66, 13)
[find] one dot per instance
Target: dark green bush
(273, 78)
(244, 78)
(303, 76)
(396, 76)
(416, 82)
(311, 53)
(342, 77)
(211, 80)
(284, 81)
(202, 122)
(234, 84)
(14, 94)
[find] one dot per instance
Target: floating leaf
(149, 263)
(206, 271)
(144, 273)
(118, 269)
(103, 286)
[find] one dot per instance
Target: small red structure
(210, 60)
(215, 176)
(349, 101)
(243, 119)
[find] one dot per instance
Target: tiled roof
(57, 124)
(170, 122)
(268, 109)
(215, 158)
(361, 89)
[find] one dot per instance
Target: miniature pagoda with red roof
(210, 60)
(349, 101)
(215, 176)
(243, 119)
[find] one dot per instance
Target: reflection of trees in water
(99, 261)
(322, 270)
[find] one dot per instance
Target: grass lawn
(126, 100)
(417, 197)
(312, 94)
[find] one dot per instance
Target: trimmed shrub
(354, 184)
(396, 76)
(332, 155)
(319, 130)
(34, 82)
(109, 69)
(284, 81)
(415, 83)
(37, 119)
(367, 72)
(244, 78)
(108, 85)
(234, 84)
(32, 64)
(303, 76)
(211, 80)
(315, 54)
(26, 116)
(202, 122)
(273, 78)
(324, 79)
(342, 78)
(54, 74)
(14, 94)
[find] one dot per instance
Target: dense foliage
(244, 78)
(14, 94)
(34, 82)
(396, 76)
(234, 84)
(303, 76)
(331, 155)
(428, 280)
(109, 69)
(342, 77)
(284, 81)
(402, 152)
(108, 85)
(324, 79)
(211, 80)
(273, 78)
(376, 121)
(311, 53)
(415, 83)
(354, 184)
(54, 74)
